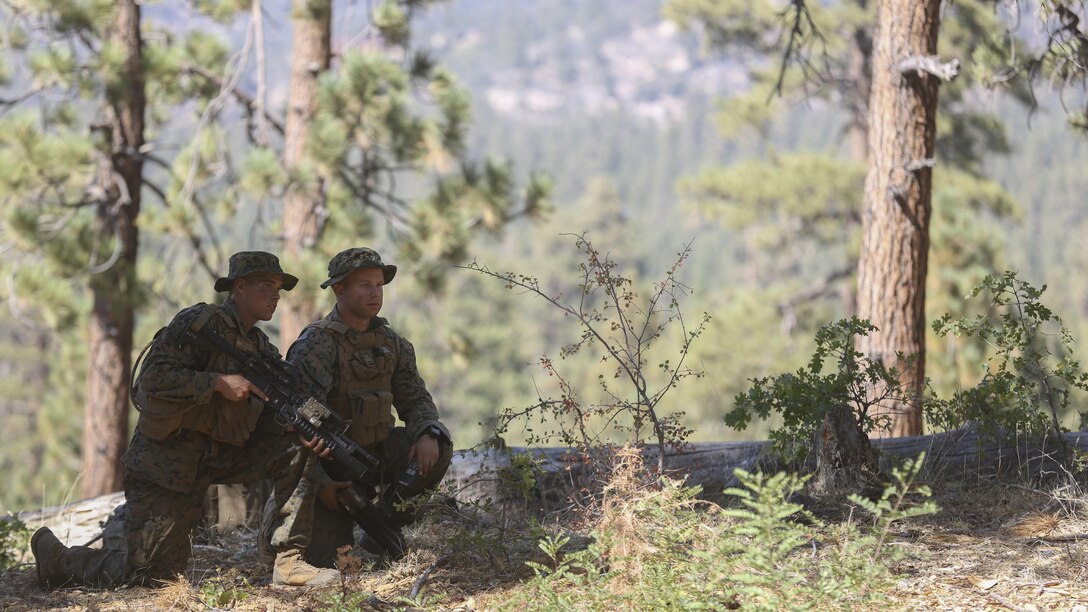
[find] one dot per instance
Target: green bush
(1026, 385)
(837, 374)
(659, 547)
(221, 592)
(13, 538)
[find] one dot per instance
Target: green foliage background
(616, 174)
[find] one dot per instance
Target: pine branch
(8, 104)
(194, 240)
(252, 107)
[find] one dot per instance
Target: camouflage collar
(232, 309)
(375, 322)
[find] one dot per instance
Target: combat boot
(48, 558)
(292, 570)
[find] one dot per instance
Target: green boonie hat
(349, 260)
(250, 262)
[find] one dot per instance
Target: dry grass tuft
(627, 541)
(177, 594)
(627, 527)
(1034, 525)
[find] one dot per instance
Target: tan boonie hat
(349, 260)
(250, 262)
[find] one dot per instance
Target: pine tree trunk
(303, 206)
(105, 428)
(902, 133)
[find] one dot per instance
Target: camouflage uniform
(189, 437)
(362, 375)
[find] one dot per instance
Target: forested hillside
(619, 227)
(616, 105)
(618, 93)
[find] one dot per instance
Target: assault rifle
(280, 381)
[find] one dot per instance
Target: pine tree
(73, 180)
(365, 131)
(898, 199)
(807, 205)
(304, 207)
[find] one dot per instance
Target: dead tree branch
(930, 64)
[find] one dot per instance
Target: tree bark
(892, 265)
(105, 429)
(845, 459)
(303, 205)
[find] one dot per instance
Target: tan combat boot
(292, 570)
(48, 552)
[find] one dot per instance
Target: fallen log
(711, 465)
(480, 475)
(75, 523)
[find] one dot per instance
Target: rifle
(280, 381)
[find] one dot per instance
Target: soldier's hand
(236, 387)
(425, 452)
(317, 445)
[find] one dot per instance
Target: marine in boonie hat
(349, 260)
(249, 262)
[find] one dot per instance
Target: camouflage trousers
(165, 485)
(333, 529)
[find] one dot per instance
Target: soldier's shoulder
(314, 336)
(384, 327)
(190, 313)
(328, 326)
(187, 317)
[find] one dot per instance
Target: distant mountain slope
(536, 60)
(609, 87)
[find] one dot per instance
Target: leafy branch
(615, 321)
(1030, 375)
(803, 398)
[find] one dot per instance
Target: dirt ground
(998, 547)
(992, 547)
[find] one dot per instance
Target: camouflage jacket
(317, 353)
(176, 385)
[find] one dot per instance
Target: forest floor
(993, 546)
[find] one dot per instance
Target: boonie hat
(250, 262)
(349, 260)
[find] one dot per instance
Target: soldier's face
(360, 293)
(257, 295)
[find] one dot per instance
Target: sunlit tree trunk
(113, 286)
(896, 212)
(304, 203)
